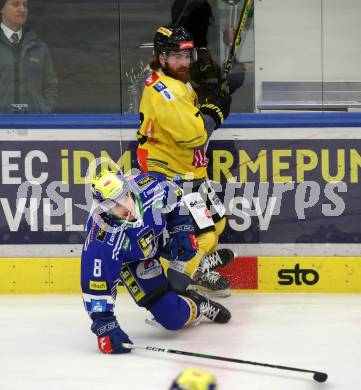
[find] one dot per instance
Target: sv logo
(298, 276)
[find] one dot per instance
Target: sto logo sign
(298, 276)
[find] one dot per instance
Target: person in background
(28, 83)
(172, 142)
(196, 16)
(124, 244)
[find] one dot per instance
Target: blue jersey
(112, 245)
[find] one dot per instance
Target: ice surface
(46, 344)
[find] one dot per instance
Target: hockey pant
(149, 287)
(208, 241)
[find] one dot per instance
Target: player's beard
(181, 74)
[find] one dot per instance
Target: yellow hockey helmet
(109, 187)
(194, 379)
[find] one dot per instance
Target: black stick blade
(320, 377)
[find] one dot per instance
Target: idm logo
(298, 276)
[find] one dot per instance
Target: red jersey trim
(151, 79)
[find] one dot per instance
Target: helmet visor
(187, 56)
(125, 208)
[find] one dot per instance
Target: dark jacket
(28, 82)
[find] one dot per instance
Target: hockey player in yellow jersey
(172, 140)
(173, 126)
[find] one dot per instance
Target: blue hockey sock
(173, 311)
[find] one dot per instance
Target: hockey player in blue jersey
(124, 243)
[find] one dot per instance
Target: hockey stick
(317, 376)
(235, 43)
(180, 16)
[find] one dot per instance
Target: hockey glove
(110, 336)
(217, 107)
(181, 251)
(182, 246)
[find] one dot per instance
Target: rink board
(299, 245)
(294, 188)
(295, 274)
(246, 274)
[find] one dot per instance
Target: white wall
(342, 40)
(307, 40)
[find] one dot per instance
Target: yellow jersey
(172, 136)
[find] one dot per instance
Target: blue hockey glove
(110, 336)
(182, 246)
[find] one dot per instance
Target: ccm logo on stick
(298, 276)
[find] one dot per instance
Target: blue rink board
(128, 121)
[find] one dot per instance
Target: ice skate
(214, 311)
(209, 282)
(212, 284)
(218, 258)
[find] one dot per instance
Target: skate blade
(210, 293)
(154, 323)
